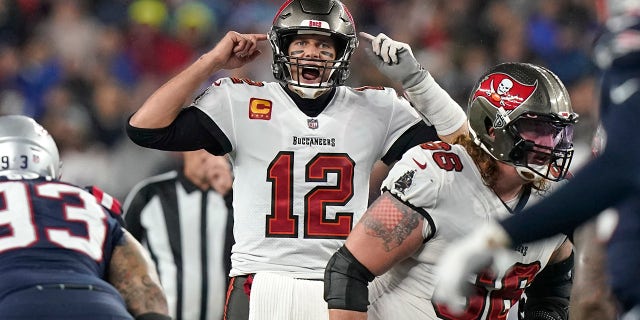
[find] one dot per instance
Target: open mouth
(310, 73)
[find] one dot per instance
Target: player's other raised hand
(394, 59)
(237, 49)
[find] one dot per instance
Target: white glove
(458, 267)
(394, 59)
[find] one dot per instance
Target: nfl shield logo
(312, 123)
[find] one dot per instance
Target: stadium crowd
(82, 67)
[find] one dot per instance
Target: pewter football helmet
(324, 17)
(515, 97)
(25, 146)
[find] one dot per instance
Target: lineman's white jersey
(443, 180)
(301, 183)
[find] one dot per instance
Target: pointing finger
(366, 36)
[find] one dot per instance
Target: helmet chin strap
(528, 174)
(307, 93)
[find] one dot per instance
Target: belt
(64, 286)
(253, 274)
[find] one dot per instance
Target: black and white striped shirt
(188, 233)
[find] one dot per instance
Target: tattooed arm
(134, 275)
(387, 233)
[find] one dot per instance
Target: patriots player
(302, 149)
(63, 251)
(520, 146)
(610, 180)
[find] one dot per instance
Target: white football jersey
(301, 183)
(443, 180)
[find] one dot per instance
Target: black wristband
(153, 316)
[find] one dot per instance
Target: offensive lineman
(520, 119)
(610, 180)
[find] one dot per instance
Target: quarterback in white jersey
(519, 149)
(302, 148)
(300, 182)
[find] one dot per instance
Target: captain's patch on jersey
(260, 109)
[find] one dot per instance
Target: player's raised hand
(237, 49)
(394, 59)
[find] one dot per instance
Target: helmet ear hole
(488, 124)
(286, 42)
(517, 154)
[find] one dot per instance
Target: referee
(185, 221)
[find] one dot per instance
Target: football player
(519, 147)
(302, 149)
(610, 180)
(63, 251)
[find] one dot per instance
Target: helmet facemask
(549, 156)
(331, 72)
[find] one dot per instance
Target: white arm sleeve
(435, 104)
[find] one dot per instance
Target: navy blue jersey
(614, 176)
(53, 232)
(610, 180)
(622, 264)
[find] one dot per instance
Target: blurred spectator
(12, 100)
(96, 50)
(543, 28)
(109, 102)
(70, 32)
(68, 120)
(12, 23)
(114, 62)
(572, 60)
(40, 70)
(195, 25)
(153, 50)
(251, 16)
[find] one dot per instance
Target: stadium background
(82, 67)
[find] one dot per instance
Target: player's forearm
(133, 274)
(163, 106)
(146, 297)
(338, 314)
(599, 185)
(435, 105)
(591, 297)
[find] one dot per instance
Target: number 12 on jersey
(282, 222)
